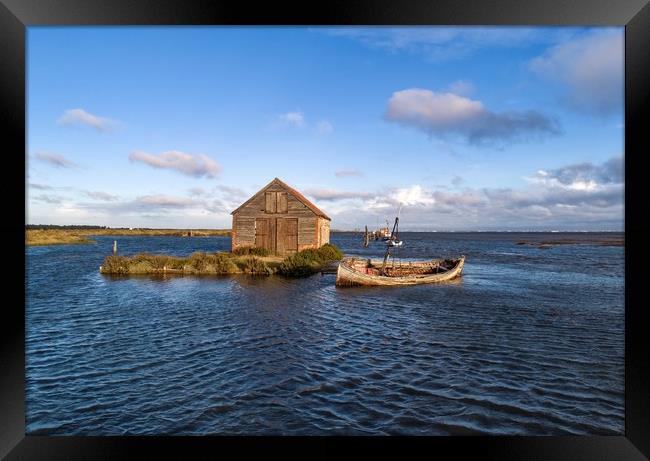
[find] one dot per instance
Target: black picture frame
(16, 15)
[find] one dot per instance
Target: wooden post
(382, 271)
(114, 247)
(366, 238)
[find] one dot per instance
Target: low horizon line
(331, 230)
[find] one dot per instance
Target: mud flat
(550, 243)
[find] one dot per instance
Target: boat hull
(349, 274)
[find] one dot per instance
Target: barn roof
(293, 192)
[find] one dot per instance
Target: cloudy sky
(465, 128)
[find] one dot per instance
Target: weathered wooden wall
(324, 231)
(277, 220)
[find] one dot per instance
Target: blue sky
(467, 128)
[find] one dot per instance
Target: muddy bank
(550, 243)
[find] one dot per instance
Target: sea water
(529, 341)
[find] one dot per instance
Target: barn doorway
(287, 235)
(263, 233)
(278, 235)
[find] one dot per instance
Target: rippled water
(529, 341)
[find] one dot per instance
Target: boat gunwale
(347, 275)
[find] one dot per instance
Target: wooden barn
(281, 219)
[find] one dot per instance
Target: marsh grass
(55, 237)
(329, 252)
(300, 264)
(249, 250)
(310, 261)
(69, 236)
(145, 263)
(256, 266)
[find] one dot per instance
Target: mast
(393, 233)
(393, 237)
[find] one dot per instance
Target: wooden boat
(383, 233)
(367, 272)
(393, 239)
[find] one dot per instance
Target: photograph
(338, 230)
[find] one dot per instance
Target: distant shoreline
(71, 235)
(337, 231)
(66, 235)
(551, 243)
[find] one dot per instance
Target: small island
(243, 260)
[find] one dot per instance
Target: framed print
(418, 223)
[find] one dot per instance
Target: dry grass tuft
(249, 250)
(196, 263)
(310, 261)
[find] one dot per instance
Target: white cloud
(232, 195)
(443, 114)
(154, 204)
(580, 196)
(81, 117)
(40, 186)
(584, 185)
(103, 196)
(198, 191)
(295, 118)
(441, 43)
(165, 201)
(324, 127)
(49, 199)
(462, 87)
(57, 160)
(333, 194)
(581, 176)
(573, 197)
(420, 106)
(413, 196)
(590, 69)
(195, 165)
(457, 181)
(155, 210)
(347, 173)
(214, 203)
